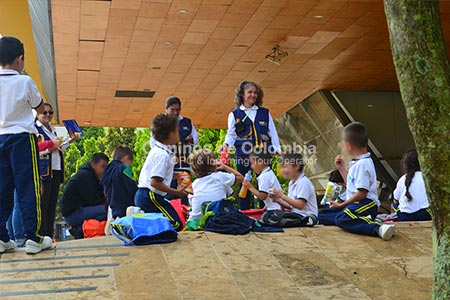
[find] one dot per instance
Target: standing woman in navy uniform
(188, 139)
(188, 134)
(51, 170)
(250, 125)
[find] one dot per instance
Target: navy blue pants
(19, 171)
(243, 166)
(154, 203)
(353, 217)
(421, 215)
(84, 213)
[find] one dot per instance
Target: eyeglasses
(48, 112)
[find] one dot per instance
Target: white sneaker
(386, 231)
(134, 210)
(7, 246)
(31, 247)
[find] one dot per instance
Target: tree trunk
(422, 67)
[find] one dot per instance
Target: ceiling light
(183, 11)
(262, 71)
(168, 43)
(87, 123)
(156, 68)
(318, 17)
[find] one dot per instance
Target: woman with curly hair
(410, 194)
(250, 125)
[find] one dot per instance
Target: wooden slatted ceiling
(104, 46)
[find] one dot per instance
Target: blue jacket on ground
(119, 187)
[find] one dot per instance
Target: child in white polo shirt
(301, 198)
(157, 172)
(213, 180)
(260, 162)
(361, 207)
(410, 195)
(19, 152)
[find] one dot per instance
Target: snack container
(185, 178)
(225, 157)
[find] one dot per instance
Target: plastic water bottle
(243, 192)
(329, 192)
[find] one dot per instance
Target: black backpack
(284, 219)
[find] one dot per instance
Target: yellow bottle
(243, 192)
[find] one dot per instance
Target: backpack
(233, 222)
(223, 217)
(284, 219)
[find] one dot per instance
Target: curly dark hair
(239, 97)
(410, 164)
(163, 125)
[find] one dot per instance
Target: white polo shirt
(159, 163)
(213, 187)
(266, 181)
(417, 191)
(302, 188)
(18, 96)
(362, 175)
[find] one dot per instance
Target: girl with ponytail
(410, 195)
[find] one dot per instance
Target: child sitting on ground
(118, 182)
(157, 172)
(410, 195)
(260, 162)
(338, 192)
(301, 198)
(362, 200)
(211, 184)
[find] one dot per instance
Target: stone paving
(302, 263)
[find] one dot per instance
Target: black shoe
(76, 233)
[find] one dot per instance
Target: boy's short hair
(261, 155)
(173, 101)
(294, 159)
(163, 125)
(202, 162)
(336, 177)
(356, 134)
(98, 157)
(122, 151)
(10, 49)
